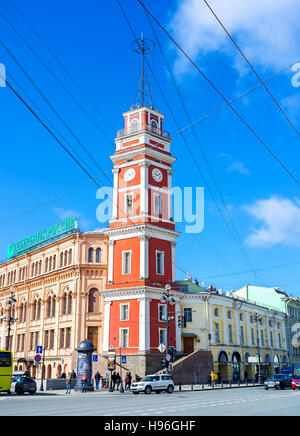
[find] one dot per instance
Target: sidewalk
(184, 388)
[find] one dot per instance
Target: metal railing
(142, 127)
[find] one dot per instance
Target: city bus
(6, 369)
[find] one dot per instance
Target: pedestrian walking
(126, 381)
(114, 380)
(73, 374)
(97, 379)
(118, 380)
(129, 380)
(68, 383)
(83, 383)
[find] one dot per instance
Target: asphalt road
(251, 401)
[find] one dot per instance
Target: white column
(178, 329)
(144, 324)
(144, 258)
(170, 212)
(111, 260)
(115, 193)
(106, 326)
(144, 207)
(173, 257)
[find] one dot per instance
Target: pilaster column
(144, 207)
(115, 193)
(144, 256)
(111, 244)
(170, 212)
(173, 257)
(178, 329)
(144, 324)
(106, 326)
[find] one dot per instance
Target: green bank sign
(27, 244)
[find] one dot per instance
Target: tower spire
(143, 46)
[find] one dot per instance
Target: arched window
(46, 266)
(91, 254)
(61, 260)
(70, 302)
(49, 304)
(54, 261)
(98, 255)
(93, 300)
(65, 303)
(66, 258)
(70, 257)
(53, 306)
(153, 126)
(134, 126)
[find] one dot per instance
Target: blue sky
(93, 41)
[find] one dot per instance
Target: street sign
(252, 359)
(162, 348)
(37, 358)
(95, 357)
(168, 357)
(39, 349)
(124, 359)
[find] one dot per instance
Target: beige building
(236, 331)
(58, 301)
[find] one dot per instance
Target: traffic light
(164, 363)
(181, 321)
(171, 351)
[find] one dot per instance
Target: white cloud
(83, 222)
(235, 165)
(266, 30)
(279, 222)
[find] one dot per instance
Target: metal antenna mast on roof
(143, 46)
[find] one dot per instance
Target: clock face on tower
(129, 175)
(157, 175)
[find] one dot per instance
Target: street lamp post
(167, 298)
(10, 302)
(258, 318)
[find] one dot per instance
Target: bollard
(180, 386)
(202, 384)
(192, 387)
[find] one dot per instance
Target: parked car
(296, 382)
(155, 383)
(279, 381)
(21, 382)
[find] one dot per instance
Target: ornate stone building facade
(58, 302)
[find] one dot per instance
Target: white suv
(155, 383)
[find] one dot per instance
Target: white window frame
(123, 262)
(191, 309)
(121, 311)
(128, 194)
(165, 312)
(121, 344)
(162, 262)
(217, 332)
(155, 196)
(160, 330)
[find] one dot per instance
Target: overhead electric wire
(190, 150)
(56, 78)
(252, 68)
(52, 107)
(256, 269)
(290, 174)
(63, 67)
(240, 244)
(204, 117)
(65, 148)
(48, 121)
